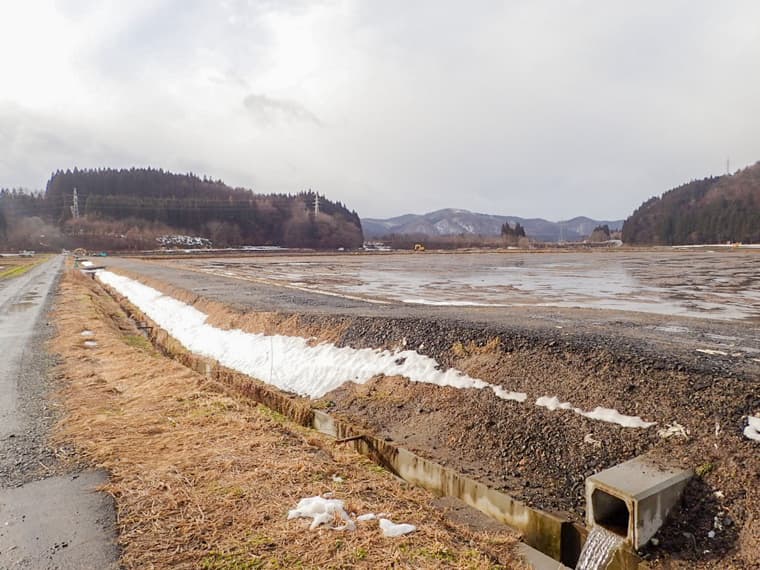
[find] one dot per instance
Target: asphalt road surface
(49, 518)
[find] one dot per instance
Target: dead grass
(460, 350)
(17, 266)
(204, 480)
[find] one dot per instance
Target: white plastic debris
(752, 431)
(588, 438)
(322, 512)
(391, 530)
(673, 430)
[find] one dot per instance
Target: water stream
(598, 550)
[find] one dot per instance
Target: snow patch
(87, 264)
(289, 363)
(712, 352)
(752, 431)
(86, 333)
(450, 303)
(90, 343)
(599, 413)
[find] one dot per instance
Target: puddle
(677, 283)
(21, 307)
(672, 329)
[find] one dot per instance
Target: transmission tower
(75, 205)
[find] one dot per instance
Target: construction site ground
(695, 376)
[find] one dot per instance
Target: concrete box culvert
(633, 499)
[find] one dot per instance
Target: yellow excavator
(419, 247)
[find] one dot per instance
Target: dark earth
(632, 362)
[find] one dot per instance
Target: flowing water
(598, 550)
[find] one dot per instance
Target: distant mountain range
(457, 222)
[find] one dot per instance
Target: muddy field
(705, 284)
(696, 378)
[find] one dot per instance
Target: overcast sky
(533, 108)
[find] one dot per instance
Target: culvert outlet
(633, 499)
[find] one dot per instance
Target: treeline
(712, 210)
(451, 242)
(123, 209)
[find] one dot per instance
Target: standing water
(598, 550)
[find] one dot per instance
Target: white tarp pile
(332, 514)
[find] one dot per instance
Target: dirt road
(49, 518)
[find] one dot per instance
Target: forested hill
(712, 210)
(124, 209)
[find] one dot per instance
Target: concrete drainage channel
(630, 501)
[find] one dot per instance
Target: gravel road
(50, 517)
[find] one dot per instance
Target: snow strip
(87, 264)
(603, 414)
(451, 303)
(287, 362)
(86, 333)
(291, 364)
(90, 343)
(752, 431)
(712, 352)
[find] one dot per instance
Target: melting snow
(603, 414)
(712, 352)
(291, 364)
(752, 431)
(284, 361)
(450, 303)
(87, 264)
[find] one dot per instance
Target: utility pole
(75, 205)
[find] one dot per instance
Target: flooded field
(706, 284)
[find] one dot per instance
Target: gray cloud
(268, 110)
(541, 108)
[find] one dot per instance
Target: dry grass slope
(204, 480)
